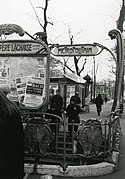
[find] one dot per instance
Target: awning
(75, 78)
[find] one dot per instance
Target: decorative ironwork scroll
(38, 136)
(8, 29)
(90, 137)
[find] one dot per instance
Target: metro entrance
(24, 66)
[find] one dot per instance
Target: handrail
(41, 114)
(114, 130)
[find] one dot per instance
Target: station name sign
(75, 50)
(20, 48)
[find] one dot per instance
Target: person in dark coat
(76, 98)
(72, 112)
(53, 119)
(57, 100)
(99, 103)
(106, 99)
(11, 140)
(51, 93)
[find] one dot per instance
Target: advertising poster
(34, 94)
(21, 87)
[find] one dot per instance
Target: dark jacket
(76, 98)
(57, 101)
(11, 145)
(73, 111)
(99, 100)
(53, 119)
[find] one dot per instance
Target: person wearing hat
(57, 101)
(76, 98)
(53, 119)
(72, 113)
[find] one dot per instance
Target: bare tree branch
(51, 23)
(45, 17)
(33, 17)
(40, 7)
(50, 20)
(83, 66)
(69, 68)
(36, 14)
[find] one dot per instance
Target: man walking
(99, 103)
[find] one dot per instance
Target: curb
(102, 168)
(99, 169)
(74, 171)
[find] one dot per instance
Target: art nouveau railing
(93, 143)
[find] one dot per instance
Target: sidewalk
(106, 110)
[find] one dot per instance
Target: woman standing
(11, 140)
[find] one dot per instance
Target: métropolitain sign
(75, 50)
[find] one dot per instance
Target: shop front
(68, 84)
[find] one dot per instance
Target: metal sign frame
(25, 48)
(22, 48)
(75, 50)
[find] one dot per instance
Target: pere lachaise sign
(75, 50)
(21, 47)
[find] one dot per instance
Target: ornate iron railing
(44, 147)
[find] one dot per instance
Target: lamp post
(94, 82)
(115, 33)
(105, 48)
(114, 58)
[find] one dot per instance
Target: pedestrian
(87, 103)
(76, 98)
(11, 140)
(72, 112)
(53, 119)
(57, 100)
(51, 93)
(99, 103)
(106, 99)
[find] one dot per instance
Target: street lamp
(105, 48)
(115, 33)
(94, 78)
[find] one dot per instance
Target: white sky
(89, 20)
